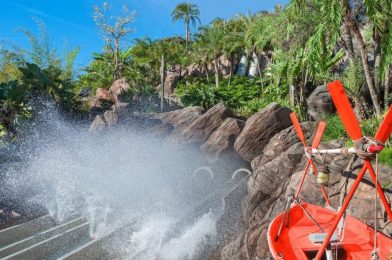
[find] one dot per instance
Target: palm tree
(211, 38)
(189, 13)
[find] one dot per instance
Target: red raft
(302, 238)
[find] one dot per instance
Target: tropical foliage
(284, 54)
(190, 14)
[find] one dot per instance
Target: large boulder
(320, 103)
(222, 139)
(201, 128)
(172, 76)
(269, 176)
(174, 122)
(119, 87)
(280, 142)
(259, 129)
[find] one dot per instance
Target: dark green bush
(245, 96)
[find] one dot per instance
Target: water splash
(118, 178)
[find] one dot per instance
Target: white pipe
(329, 254)
(350, 150)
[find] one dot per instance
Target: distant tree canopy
(190, 14)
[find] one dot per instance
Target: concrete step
(55, 246)
(97, 249)
(43, 239)
(37, 238)
(19, 232)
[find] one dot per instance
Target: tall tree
(211, 37)
(114, 29)
(189, 13)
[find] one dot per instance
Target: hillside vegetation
(245, 62)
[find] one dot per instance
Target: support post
(366, 166)
(379, 189)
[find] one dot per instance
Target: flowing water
(168, 193)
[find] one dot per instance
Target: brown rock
(200, 129)
(259, 129)
(117, 88)
(223, 138)
(267, 178)
(172, 76)
(320, 103)
(97, 125)
(281, 142)
(111, 118)
(174, 122)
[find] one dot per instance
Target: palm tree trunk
(348, 41)
(259, 72)
(216, 68)
(231, 69)
(163, 76)
(368, 75)
(386, 87)
(206, 68)
(359, 109)
(187, 37)
(377, 61)
(292, 95)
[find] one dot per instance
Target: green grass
(385, 156)
(335, 129)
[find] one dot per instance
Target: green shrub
(386, 156)
(245, 96)
(197, 94)
(335, 128)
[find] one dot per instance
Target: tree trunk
(259, 72)
(359, 109)
(348, 41)
(117, 72)
(377, 61)
(231, 69)
(292, 95)
(206, 68)
(187, 37)
(368, 75)
(216, 68)
(302, 96)
(163, 77)
(386, 87)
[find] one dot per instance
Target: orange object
(303, 238)
(344, 109)
(385, 129)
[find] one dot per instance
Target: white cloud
(48, 16)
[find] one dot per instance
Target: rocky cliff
(268, 144)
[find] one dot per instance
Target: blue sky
(71, 20)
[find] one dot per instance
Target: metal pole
(302, 179)
(341, 212)
(379, 189)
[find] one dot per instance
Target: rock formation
(269, 143)
(320, 103)
(259, 128)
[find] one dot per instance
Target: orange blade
(298, 128)
(385, 129)
(319, 134)
(344, 109)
